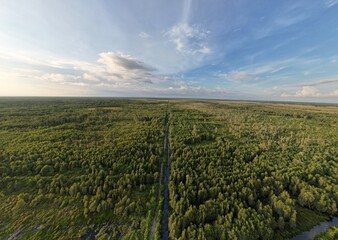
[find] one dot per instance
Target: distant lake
(311, 234)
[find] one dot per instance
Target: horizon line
(185, 98)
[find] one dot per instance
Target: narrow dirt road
(165, 232)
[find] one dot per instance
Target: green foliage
(82, 168)
(330, 234)
(247, 179)
(71, 164)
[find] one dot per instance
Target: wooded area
(90, 168)
(251, 171)
(74, 167)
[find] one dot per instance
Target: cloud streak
(330, 3)
(256, 71)
(320, 82)
(186, 10)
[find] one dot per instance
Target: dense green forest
(92, 168)
(79, 168)
(251, 171)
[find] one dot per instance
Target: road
(165, 232)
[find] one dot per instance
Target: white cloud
(118, 73)
(189, 90)
(81, 84)
(112, 72)
(90, 77)
(189, 39)
(308, 91)
(143, 35)
(334, 93)
(320, 89)
(204, 50)
(285, 95)
(117, 67)
(58, 78)
(63, 79)
(113, 69)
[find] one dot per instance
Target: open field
(90, 168)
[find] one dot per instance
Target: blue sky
(235, 49)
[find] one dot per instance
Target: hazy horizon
(231, 50)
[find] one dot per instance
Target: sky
(224, 49)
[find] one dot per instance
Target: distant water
(311, 234)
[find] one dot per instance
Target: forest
(251, 170)
(93, 168)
